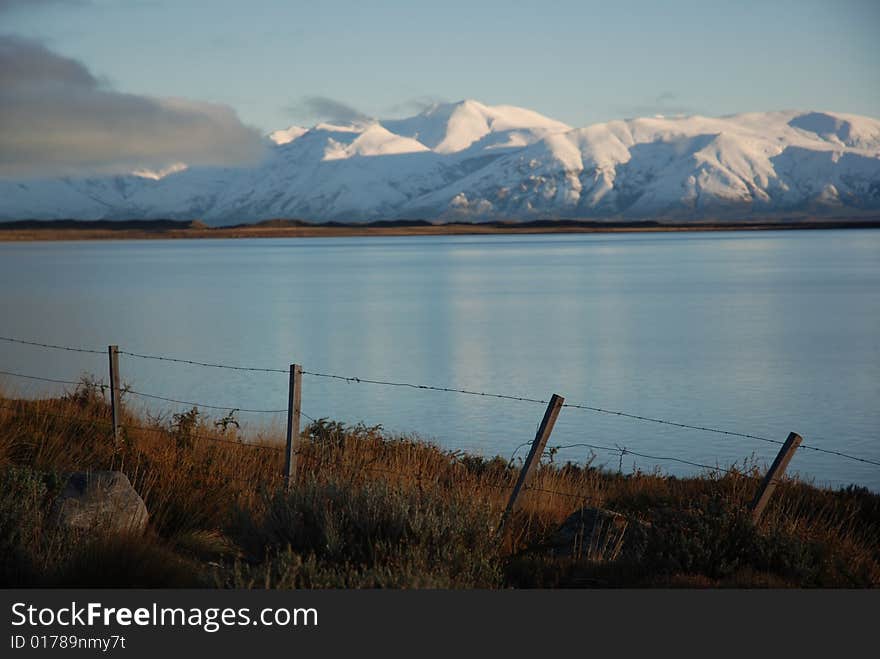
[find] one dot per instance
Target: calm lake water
(760, 333)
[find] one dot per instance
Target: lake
(754, 332)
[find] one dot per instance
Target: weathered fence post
(777, 469)
(534, 456)
(115, 408)
(294, 399)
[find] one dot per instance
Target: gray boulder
(600, 535)
(102, 501)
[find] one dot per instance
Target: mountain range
(470, 161)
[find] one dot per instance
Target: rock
(100, 500)
(600, 535)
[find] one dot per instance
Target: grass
(372, 510)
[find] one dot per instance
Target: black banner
(136, 623)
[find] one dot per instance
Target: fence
(555, 404)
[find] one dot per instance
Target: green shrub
(24, 499)
(369, 535)
(719, 540)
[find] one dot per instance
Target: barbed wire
(205, 364)
(410, 385)
(600, 410)
(369, 466)
(83, 383)
(50, 345)
(629, 415)
(389, 383)
(808, 447)
(127, 391)
(622, 451)
(205, 405)
(517, 450)
(24, 407)
(505, 487)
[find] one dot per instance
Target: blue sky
(580, 62)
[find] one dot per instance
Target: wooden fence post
(115, 407)
(294, 399)
(777, 469)
(534, 456)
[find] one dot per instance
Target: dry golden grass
(371, 510)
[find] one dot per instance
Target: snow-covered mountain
(470, 161)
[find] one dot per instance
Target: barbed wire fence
(294, 409)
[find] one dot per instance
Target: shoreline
(67, 230)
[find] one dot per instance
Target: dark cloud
(26, 62)
(57, 118)
(322, 108)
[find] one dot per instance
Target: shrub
(374, 534)
(369, 509)
(719, 540)
(24, 499)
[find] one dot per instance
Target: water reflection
(761, 332)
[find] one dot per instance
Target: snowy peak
(694, 167)
(453, 127)
(842, 130)
(468, 160)
(287, 135)
(444, 128)
(374, 140)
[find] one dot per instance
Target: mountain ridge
(468, 161)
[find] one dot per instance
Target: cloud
(25, 61)
(416, 105)
(56, 118)
(322, 108)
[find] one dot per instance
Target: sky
(271, 64)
